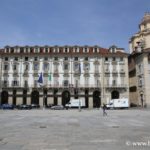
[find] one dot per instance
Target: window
(21, 49)
(45, 66)
(66, 66)
(66, 58)
(12, 50)
(5, 83)
(114, 82)
(66, 82)
(6, 58)
(46, 58)
(86, 66)
(76, 58)
(15, 83)
(121, 58)
(86, 58)
(35, 58)
(16, 58)
(15, 67)
(5, 67)
(26, 83)
(106, 58)
(114, 59)
(26, 67)
(46, 50)
(55, 58)
(36, 66)
(66, 50)
(26, 58)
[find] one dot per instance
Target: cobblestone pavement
(74, 130)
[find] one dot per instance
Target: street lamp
(44, 100)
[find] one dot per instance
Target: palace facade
(139, 64)
(89, 72)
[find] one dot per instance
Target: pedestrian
(104, 109)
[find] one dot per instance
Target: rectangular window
(66, 66)
(66, 58)
(76, 58)
(26, 58)
(36, 66)
(35, 58)
(66, 82)
(14, 67)
(56, 58)
(26, 67)
(16, 58)
(114, 59)
(45, 66)
(86, 58)
(6, 58)
(5, 67)
(106, 58)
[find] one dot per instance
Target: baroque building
(91, 72)
(139, 64)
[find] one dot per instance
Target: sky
(70, 22)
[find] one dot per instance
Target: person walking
(104, 109)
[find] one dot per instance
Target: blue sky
(70, 22)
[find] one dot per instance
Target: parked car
(35, 106)
(7, 106)
(49, 105)
(58, 107)
(24, 106)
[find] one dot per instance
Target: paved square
(74, 130)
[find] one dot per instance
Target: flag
(40, 80)
(49, 77)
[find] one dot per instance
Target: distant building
(93, 73)
(139, 64)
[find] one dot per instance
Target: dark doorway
(14, 97)
(96, 99)
(65, 97)
(86, 98)
(114, 95)
(45, 97)
(35, 97)
(55, 97)
(24, 96)
(4, 97)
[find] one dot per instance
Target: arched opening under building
(35, 97)
(45, 97)
(65, 97)
(86, 98)
(24, 97)
(4, 97)
(96, 99)
(55, 97)
(14, 97)
(114, 95)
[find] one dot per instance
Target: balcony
(116, 86)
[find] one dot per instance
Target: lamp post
(44, 100)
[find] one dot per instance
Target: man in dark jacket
(104, 110)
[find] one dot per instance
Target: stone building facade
(139, 64)
(89, 72)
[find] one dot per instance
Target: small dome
(146, 18)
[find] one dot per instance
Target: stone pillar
(50, 100)
(28, 100)
(10, 100)
(90, 102)
(19, 100)
(59, 101)
(41, 101)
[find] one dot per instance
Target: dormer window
(12, 50)
(66, 50)
(21, 49)
(76, 50)
(85, 50)
(46, 50)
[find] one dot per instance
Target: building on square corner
(65, 72)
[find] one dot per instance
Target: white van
(118, 103)
(76, 103)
